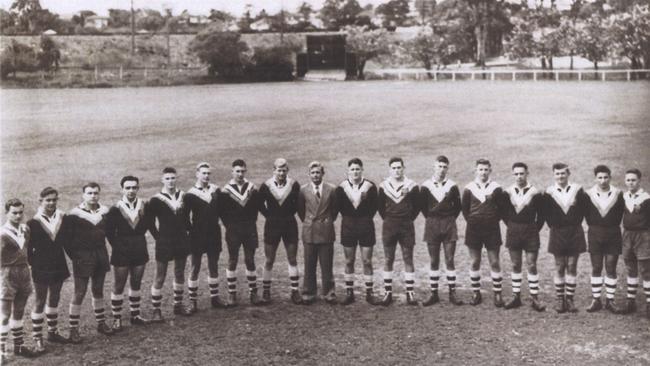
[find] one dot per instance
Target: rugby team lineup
(185, 225)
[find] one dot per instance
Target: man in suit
(317, 210)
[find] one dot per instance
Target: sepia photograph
(325, 182)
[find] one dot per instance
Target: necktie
(317, 191)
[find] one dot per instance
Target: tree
(26, 11)
(118, 18)
(366, 44)
(49, 56)
(224, 52)
(395, 13)
(592, 40)
(336, 14)
(630, 35)
(305, 11)
(7, 22)
(219, 15)
(245, 21)
(80, 19)
(425, 48)
(425, 9)
(521, 43)
(151, 20)
(17, 57)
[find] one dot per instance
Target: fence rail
(557, 75)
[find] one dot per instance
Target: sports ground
(64, 138)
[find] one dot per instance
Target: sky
(193, 6)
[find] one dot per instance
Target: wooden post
(96, 72)
(534, 75)
(628, 76)
(557, 76)
(492, 76)
(579, 75)
(603, 75)
(473, 76)
(453, 76)
(121, 72)
(514, 76)
(435, 76)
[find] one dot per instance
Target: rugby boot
(216, 303)
(180, 309)
(117, 325)
(24, 351)
(410, 298)
(560, 305)
(611, 306)
(266, 296)
(254, 298)
(514, 303)
(370, 298)
(453, 299)
(476, 298)
(630, 306)
(74, 336)
(138, 320)
(570, 306)
(595, 305)
(232, 299)
(193, 307)
(295, 297)
(387, 299)
(39, 347)
(498, 300)
(157, 316)
(536, 305)
(432, 299)
(105, 329)
(55, 337)
(349, 297)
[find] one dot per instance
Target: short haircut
(442, 159)
(560, 166)
(48, 191)
(280, 163)
(239, 162)
(90, 185)
(317, 164)
(169, 170)
(483, 162)
(202, 164)
(395, 159)
(519, 164)
(634, 171)
(14, 202)
(602, 169)
(129, 178)
(356, 161)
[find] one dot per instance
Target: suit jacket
(317, 215)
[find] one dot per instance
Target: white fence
(557, 75)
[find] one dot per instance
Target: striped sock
(74, 315)
(646, 291)
(231, 276)
(193, 289)
(38, 320)
(98, 308)
(559, 286)
(52, 316)
(409, 281)
(4, 335)
(388, 282)
(156, 298)
(178, 293)
(117, 300)
(251, 276)
(451, 279)
(632, 286)
(434, 279)
(134, 303)
(570, 285)
(267, 279)
(496, 281)
(475, 279)
(17, 331)
(516, 282)
(596, 286)
(294, 278)
(367, 279)
(610, 287)
(349, 280)
(533, 283)
(213, 285)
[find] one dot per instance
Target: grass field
(64, 138)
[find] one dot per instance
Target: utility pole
(282, 22)
(132, 30)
